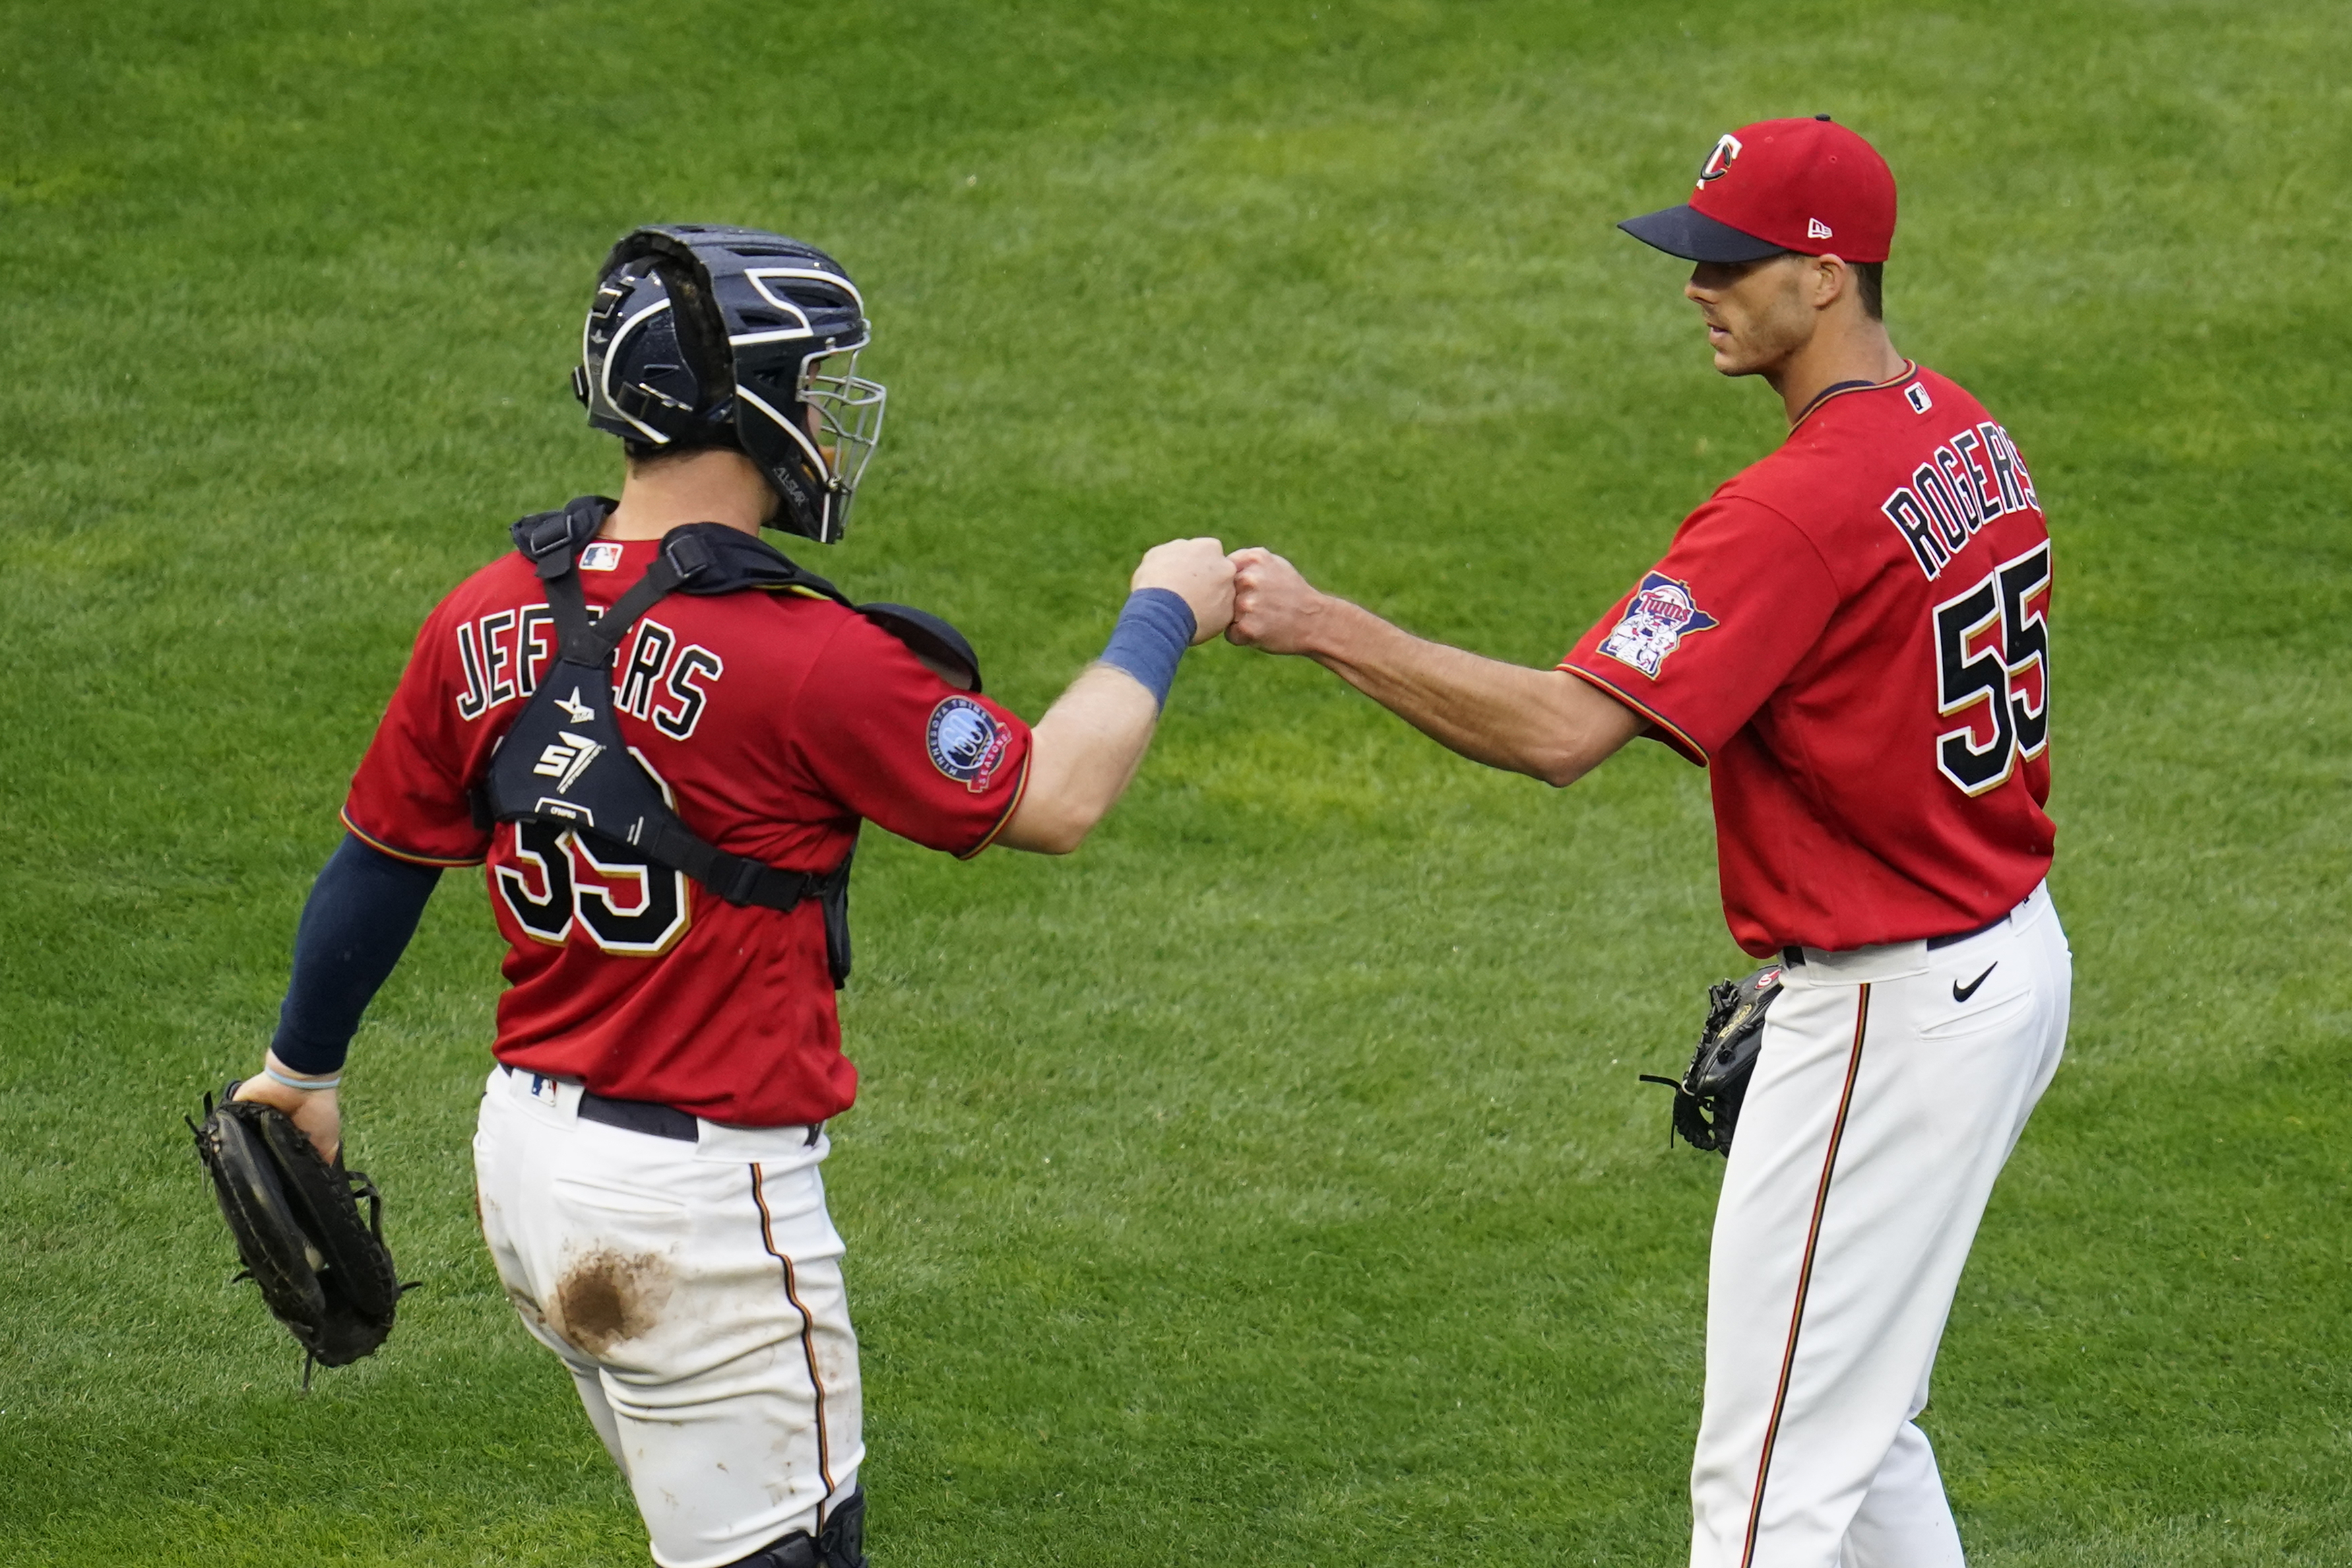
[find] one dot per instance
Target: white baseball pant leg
(693, 1291)
(1890, 1086)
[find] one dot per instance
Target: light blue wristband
(1154, 628)
(305, 1083)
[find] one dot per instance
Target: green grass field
(1270, 1182)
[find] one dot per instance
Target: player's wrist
(276, 1070)
(1331, 629)
(1155, 626)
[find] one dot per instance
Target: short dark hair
(1869, 282)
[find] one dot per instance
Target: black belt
(1795, 957)
(640, 1117)
(644, 1116)
(1959, 937)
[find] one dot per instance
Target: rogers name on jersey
(1973, 478)
(503, 655)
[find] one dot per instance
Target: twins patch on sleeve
(1661, 614)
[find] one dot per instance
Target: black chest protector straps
(565, 762)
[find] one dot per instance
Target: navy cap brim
(1693, 235)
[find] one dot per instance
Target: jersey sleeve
(409, 797)
(889, 740)
(1712, 631)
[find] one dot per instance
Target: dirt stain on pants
(608, 1297)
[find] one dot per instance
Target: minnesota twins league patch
(966, 742)
(1662, 614)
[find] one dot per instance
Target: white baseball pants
(1890, 1086)
(693, 1291)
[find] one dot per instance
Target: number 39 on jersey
(555, 883)
(1992, 672)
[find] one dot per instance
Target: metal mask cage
(848, 412)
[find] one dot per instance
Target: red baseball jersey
(1852, 635)
(775, 723)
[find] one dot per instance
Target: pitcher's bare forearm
(1543, 723)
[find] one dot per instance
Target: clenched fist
(1275, 608)
(1198, 571)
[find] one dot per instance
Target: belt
(640, 1117)
(1795, 957)
(645, 1116)
(1959, 937)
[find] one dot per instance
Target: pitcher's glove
(1706, 1100)
(324, 1272)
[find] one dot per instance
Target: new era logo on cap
(1807, 185)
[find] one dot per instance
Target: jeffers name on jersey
(774, 723)
(1851, 635)
(502, 653)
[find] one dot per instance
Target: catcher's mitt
(324, 1272)
(1706, 1100)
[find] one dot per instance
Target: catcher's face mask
(701, 335)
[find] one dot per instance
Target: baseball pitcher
(1851, 637)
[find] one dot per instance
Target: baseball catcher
(660, 736)
(1708, 1096)
(324, 1272)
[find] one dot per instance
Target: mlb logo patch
(602, 556)
(1661, 614)
(1916, 396)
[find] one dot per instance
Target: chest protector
(565, 763)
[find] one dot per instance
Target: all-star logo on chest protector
(566, 757)
(1660, 616)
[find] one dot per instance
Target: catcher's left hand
(324, 1272)
(316, 1111)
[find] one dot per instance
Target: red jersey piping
(378, 845)
(1020, 788)
(1675, 737)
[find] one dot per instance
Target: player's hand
(1275, 608)
(314, 1111)
(1198, 571)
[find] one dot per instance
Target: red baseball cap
(1777, 185)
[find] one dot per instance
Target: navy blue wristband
(1154, 629)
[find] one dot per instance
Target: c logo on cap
(1718, 162)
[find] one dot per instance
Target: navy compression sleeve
(362, 910)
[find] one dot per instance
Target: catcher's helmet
(705, 336)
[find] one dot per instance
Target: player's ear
(1830, 280)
